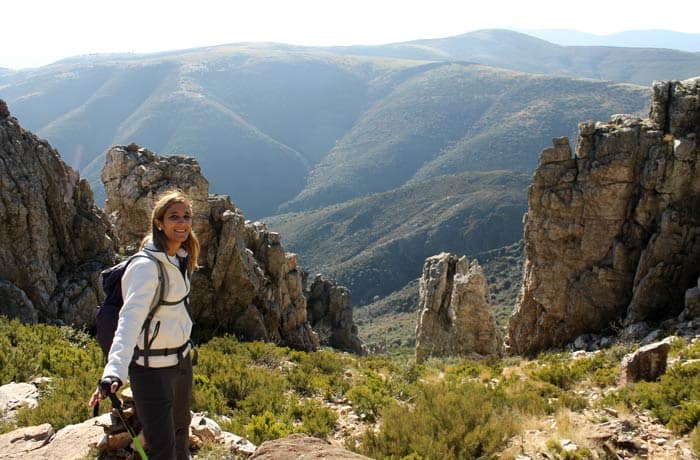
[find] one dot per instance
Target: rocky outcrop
(612, 235)
(247, 284)
(455, 315)
(133, 177)
(647, 363)
(54, 240)
(330, 314)
(80, 440)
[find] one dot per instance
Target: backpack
(107, 315)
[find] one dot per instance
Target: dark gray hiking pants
(163, 397)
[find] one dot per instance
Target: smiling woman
(152, 345)
(176, 226)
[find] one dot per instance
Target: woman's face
(176, 225)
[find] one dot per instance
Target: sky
(38, 32)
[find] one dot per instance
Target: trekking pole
(117, 404)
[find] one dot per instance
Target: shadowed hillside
(458, 117)
(377, 244)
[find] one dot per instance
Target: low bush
(468, 421)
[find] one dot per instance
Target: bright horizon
(39, 32)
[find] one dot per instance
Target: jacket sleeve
(139, 286)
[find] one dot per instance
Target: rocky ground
(604, 433)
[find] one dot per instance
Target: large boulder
(612, 234)
(330, 314)
(54, 240)
(299, 446)
(647, 363)
(247, 284)
(455, 316)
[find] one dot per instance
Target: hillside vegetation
(377, 244)
(448, 408)
(452, 118)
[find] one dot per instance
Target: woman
(161, 378)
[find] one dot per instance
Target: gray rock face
(247, 284)
(455, 315)
(613, 233)
(647, 363)
(330, 314)
(54, 240)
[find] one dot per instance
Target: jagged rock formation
(330, 314)
(247, 284)
(613, 234)
(54, 240)
(134, 177)
(455, 316)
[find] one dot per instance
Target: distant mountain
(507, 49)
(451, 118)
(377, 244)
(631, 39)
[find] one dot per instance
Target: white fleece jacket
(139, 285)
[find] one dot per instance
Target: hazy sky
(38, 32)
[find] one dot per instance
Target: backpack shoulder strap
(155, 303)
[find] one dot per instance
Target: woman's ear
(159, 224)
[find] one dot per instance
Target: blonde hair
(191, 244)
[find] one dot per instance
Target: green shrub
(206, 397)
(264, 427)
(446, 422)
(573, 402)
(71, 359)
(695, 440)
(686, 417)
(370, 397)
(316, 420)
(533, 397)
(321, 373)
(558, 374)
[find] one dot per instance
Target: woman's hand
(104, 387)
(95, 398)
